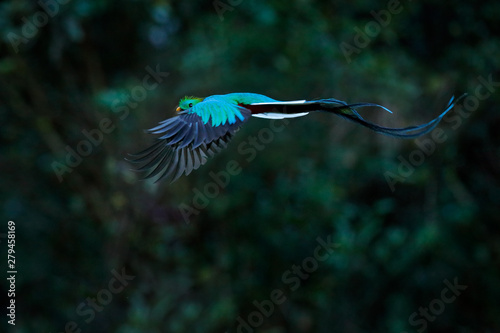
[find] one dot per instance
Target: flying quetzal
(204, 126)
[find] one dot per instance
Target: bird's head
(188, 102)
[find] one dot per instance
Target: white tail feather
(289, 102)
(272, 115)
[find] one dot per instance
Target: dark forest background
(405, 219)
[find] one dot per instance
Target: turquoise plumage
(204, 126)
(222, 108)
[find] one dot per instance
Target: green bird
(204, 126)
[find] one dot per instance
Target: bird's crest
(188, 102)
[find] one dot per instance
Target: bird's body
(204, 126)
(226, 108)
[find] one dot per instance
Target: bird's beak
(178, 109)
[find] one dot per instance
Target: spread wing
(190, 138)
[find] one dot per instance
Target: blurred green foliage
(319, 177)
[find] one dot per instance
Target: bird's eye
(190, 105)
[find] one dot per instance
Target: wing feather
(153, 160)
(164, 125)
(190, 135)
(181, 134)
(202, 133)
(187, 141)
(197, 161)
(167, 156)
(144, 153)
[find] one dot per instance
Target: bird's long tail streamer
(348, 111)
